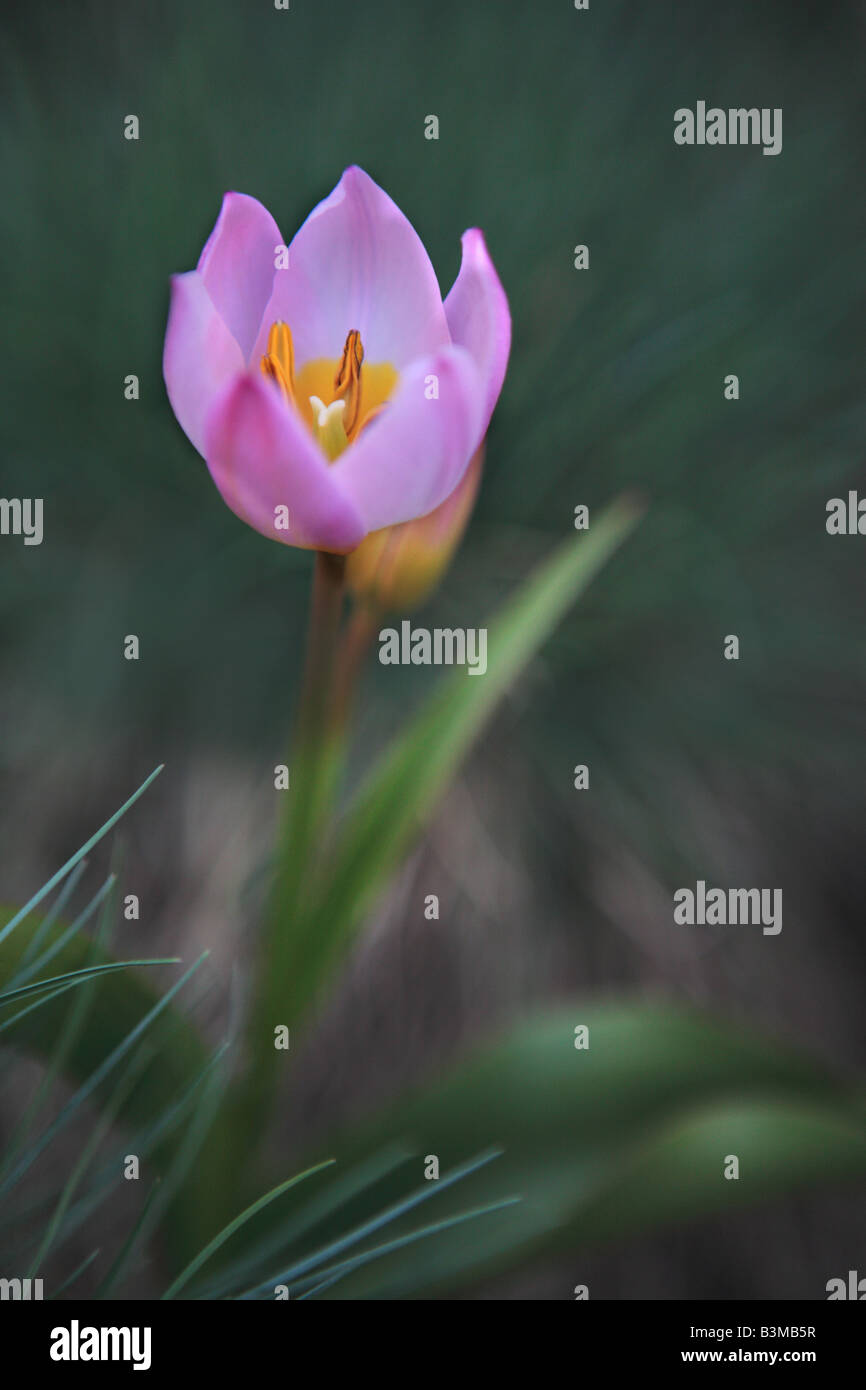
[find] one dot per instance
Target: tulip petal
(416, 451)
(199, 357)
(478, 317)
(357, 262)
(237, 265)
(261, 457)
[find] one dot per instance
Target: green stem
(360, 633)
(313, 776)
(333, 663)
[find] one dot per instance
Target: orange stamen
(347, 382)
(278, 364)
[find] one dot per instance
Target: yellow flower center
(335, 399)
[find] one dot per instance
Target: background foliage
(556, 128)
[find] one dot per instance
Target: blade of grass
(52, 914)
(367, 1228)
(103, 1126)
(147, 1141)
(118, 1267)
(76, 1273)
(74, 977)
(95, 1078)
(77, 857)
(57, 946)
(72, 1023)
(339, 1271)
(228, 1231)
(314, 1211)
(119, 998)
(37, 1004)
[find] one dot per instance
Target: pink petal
(478, 317)
(200, 354)
(237, 265)
(261, 457)
(414, 454)
(358, 263)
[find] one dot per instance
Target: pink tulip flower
(329, 388)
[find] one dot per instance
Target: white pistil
(328, 426)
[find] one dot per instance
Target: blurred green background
(556, 128)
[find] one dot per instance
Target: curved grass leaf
(51, 916)
(70, 864)
(26, 971)
(337, 1272)
(76, 1273)
(75, 1018)
(117, 999)
(228, 1231)
(389, 1216)
(315, 1210)
(119, 1265)
(78, 977)
(99, 1132)
(105, 1066)
(148, 1142)
(37, 1004)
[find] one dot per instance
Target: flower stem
(360, 633)
(313, 774)
(325, 613)
(334, 658)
